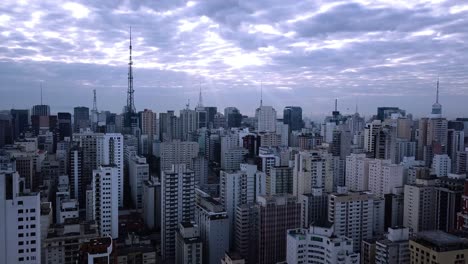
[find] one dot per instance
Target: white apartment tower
(309, 172)
(384, 176)
(266, 119)
(178, 152)
(177, 205)
(356, 215)
(441, 165)
(105, 206)
(20, 221)
(357, 172)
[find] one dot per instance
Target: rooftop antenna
(94, 101)
(261, 93)
(336, 105)
(200, 99)
(41, 92)
(187, 106)
(437, 95)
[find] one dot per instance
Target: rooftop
(440, 241)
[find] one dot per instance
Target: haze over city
(306, 53)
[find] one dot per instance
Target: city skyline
(305, 54)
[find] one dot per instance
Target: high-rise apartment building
(177, 152)
(177, 205)
(309, 172)
(384, 176)
(188, 244)
(151, 210)
(318, 244)
(266, 119)
(394, 249)
(419, 205)
(441, 165)
(213, 222)
(105, 206)
(356, 215)
(357, 172)
(20, 221)
(138, 171)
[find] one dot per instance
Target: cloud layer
(305, 53)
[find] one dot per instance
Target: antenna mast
(94, 101)
(130, 99)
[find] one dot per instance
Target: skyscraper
(64, 125)
(277, 214)
(40, 110)
(81, 118)
(292, 116)
(266, 119)
(20, 121)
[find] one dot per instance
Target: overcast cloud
(306, 53)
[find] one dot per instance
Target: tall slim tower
(130, 115)
(130, 101)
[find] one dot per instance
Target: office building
(64, 125)
(246, 232)
(81, 118)
(40, 110)
(318, 244)
(394, 207)
(276, 215)
(448, 196)
(292, 116)
(19, 121)
(314, 206)
(280, 180)
(177, 205)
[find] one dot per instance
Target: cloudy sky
(306, 53)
